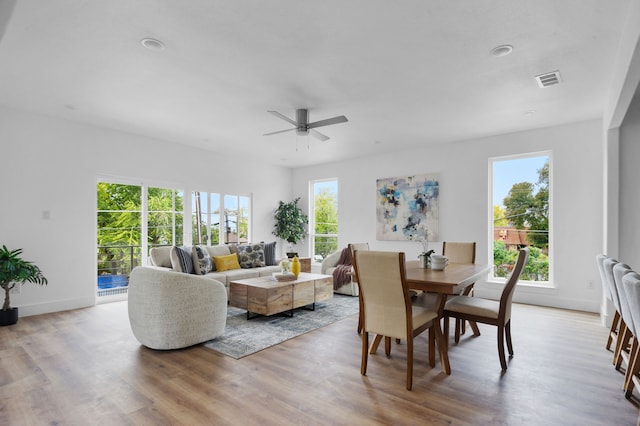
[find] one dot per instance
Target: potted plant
(14, 270)
(290, 224)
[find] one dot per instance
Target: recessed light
(529, 113)
(152, 44)
(502, 50)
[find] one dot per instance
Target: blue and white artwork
(407, 208)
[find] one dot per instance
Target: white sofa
(160, 257)
(171, 310)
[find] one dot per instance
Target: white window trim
(545, 285)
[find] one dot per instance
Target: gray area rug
(242, 337)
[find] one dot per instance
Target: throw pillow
(226, 263)
(219, 250)
(270, 254)
(251, 255)
(181, 260)
(201, 260)
(161, 256)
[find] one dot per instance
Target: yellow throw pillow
(225, 263)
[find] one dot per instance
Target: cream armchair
(171, 310)
(330, 263)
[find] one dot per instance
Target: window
(165, 217)
(124, 234)
(324, 218)
(521, 205)
(214, 223)
(205, 209)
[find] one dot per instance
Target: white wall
(51, 164)
(629, 241)
(464, 208)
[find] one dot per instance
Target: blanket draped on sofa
(342, 273)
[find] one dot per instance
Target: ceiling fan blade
(328, 122)
(316, 134)
(284, 117)
(279, 131)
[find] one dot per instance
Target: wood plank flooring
(85, 367)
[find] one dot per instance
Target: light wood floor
(85, 367)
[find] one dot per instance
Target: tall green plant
(290, 222)
(14, 270)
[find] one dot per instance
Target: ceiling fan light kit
(302, 125)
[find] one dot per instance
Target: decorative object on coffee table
(295, 266)
(290, 224)
(14, 270)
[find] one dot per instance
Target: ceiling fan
(303, 127)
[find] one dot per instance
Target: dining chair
(609, 294)
(623, 331)
(461, 252)
(387, 309)
(624, 349)
(631, 285)
(352, 248)
(492, 312)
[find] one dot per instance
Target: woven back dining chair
(387, 309)
(461, 252)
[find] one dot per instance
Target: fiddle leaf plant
(290, 222)
(14, 270)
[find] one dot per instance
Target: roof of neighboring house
(510, 235)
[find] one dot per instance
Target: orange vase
(295, 266)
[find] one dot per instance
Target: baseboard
(56, 306)
(540, 297)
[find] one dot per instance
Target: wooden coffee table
(267, 296)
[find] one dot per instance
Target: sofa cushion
(202, 261)
(226, 263)
(181, 260)
(251, 255)
(219, 250)
(161, 256)
(270, 254)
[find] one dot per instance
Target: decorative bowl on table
(288, 276)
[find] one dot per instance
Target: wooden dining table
(450, 281)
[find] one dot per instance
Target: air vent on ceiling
(548, 79)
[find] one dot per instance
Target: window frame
(312, 216)
(490, 240)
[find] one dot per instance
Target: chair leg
(622, 346)
(503, 361)
(375, 344)
(432, 348)
(507, 331)
(409, 362)
(456, 335)
(615, 324)
(387, 345)
(360, 303)
(365, 353)
(632, 369)
(446, 331)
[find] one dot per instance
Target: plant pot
(9, 317)
(291, 255)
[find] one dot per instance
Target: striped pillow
(181, 260)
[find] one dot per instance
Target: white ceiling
(405, 73)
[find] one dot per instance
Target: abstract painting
(407, 208)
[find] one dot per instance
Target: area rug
(244, 337)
